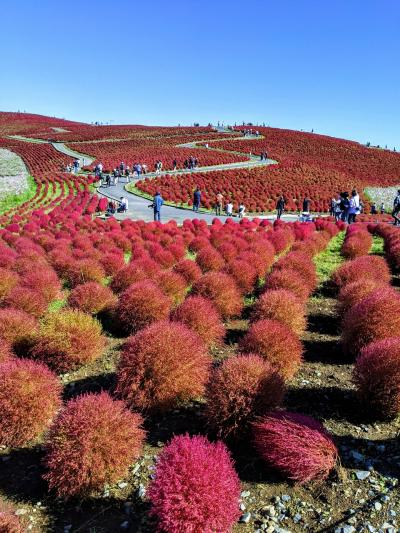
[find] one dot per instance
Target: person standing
(229, 208)
(280, 206)
(382, 208)
(218, 203)
(157, 203)
(306, 204)
(242, 210)
(196, 199)
(396, 209)
(174, 164)
(354, 207)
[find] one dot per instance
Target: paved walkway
(83, 158)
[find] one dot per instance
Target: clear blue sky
(301, 64)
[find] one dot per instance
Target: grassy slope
(13, 200)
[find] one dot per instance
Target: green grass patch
(14, 200)
(56, 305)
(377, 246)
(328, 260)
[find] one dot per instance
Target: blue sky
(300, 64)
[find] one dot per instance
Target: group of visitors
(228, 208)
(190, 163)
(305, 213)
(122, 207)
(346, 206)
(73, 167)
(263, 156)
(250, 132)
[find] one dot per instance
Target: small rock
(245, 518)
(122, 484)
(20, 512)
(392, 512)
(371, 528)
(362, 474)
(357, 456)
(388, 527)
(124, 525)
(285, 498)
(297, 518)
(141, 492)
(245, 494)
(135, 468)
(242, 507)
(378, 506)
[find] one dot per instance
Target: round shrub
(240, 390)
(302, 264)
(92, 443)
(8, 280)
(352, 293)
(195, 488)
(296, 445)
(68, 339)
(243, 273)
(281, 305)
(376, 317)
(138, 270)
(209, 259)
(173, 285)
(367, 266)
(43, 281)
(222, 290)
(92, 298)
(28, 300)
(140, 305)
(189, 270)
(162, 365)
(200, 315)
(5, 351)
(30, 396)
(9, 521)
(17, 328)
(288, 279)
(356, 244)
(377, 377)
(85, 270)
(277, 343)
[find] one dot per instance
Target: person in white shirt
(123, 205)
(229, 209)
(354, 208)
(242, 210)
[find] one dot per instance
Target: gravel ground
(383, 194)
(13, 174)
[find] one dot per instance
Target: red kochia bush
(376, 317)
(243, 273)
(173, 285)
(85, 270)
(138, 270)
(8, 280)
(68, 339)
(200, 315)
(9, 522)
(281, 305)
(30, 396)
(140, 305)
(300, 263)
(222, 290)
(17, 327)
(209, 259)
(377, 377)
(276, 343)
(239, 390)
(287, 278)
(93, 298)
(45, 281)
(161, 365)
(92, 443)
(189, 270)
(367, 266)
(352, 293)
(5, 351)
(296, 445)
(28, 300)
(196, 488)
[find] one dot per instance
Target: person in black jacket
(306, 205)
(280, 206)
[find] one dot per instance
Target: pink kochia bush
(377, 377)
(92, 442)
(240, 390)
(296, 445)
(200, 315)
(140, 305)
(162, 365)
(196, 489)
(276, 343)
(17, 327)
(30, 396)
(93, 298)
(9, 521)
(222, 290)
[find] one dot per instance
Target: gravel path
(383, 194)
(13, 174)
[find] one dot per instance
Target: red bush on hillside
(44, 281)
(281, 305)
(173, 285)
(239, 391)
(222, 290)
(375, 318)
(92, 443)
(281, 239)
(366, 267)
(140, 305)
(68, 339)
(296, 445)
(300, 263)
(5, 351)
(28, 300)
(30, 396)
(243, 273)
(162, 365)
(352, 293)
(195, 488)
(357, 244)
(189, 270)
(288, 279)
(377, 377)
(8, 280)
(200, 315)
(17, 328)
(112, 263)
(83, 271)
(92, 298)
(138, 270)
(276, 343)
(209, 259)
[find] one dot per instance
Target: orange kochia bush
(281, 305)
(222, 290)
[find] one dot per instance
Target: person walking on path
(306, 204)
(229, 208)
(396, 209)
(218, 204)
(156, 205)
(241, 210)
(354, 207)
(280, 206)
(196, 199)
